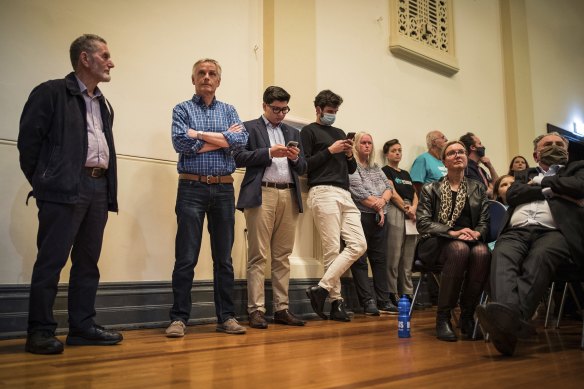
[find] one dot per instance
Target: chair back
(497, 213)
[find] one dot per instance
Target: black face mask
(553, 155)
(481, 151)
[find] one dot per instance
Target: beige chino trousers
(336, 217)
(271, 231)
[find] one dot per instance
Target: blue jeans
(194, 201)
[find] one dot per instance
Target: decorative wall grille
(422, 31)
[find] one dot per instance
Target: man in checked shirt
(205, 131)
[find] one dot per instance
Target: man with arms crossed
(543, 230)
(271, 200)
(205, 132)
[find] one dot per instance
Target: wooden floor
(360, 354)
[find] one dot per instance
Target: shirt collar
(268, 124)
(83, 88)
(199, 100)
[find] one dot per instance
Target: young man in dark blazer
(271, 200)
(544, 229)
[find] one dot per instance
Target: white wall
(556, 38)
(392, 98)
(154, 45)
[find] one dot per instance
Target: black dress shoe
(43, 342)
(93, 336)
(503, 340)
(284, 316)
(338, 312)
(257, 320)
(317, 296)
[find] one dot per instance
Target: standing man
(270, 198)
(67, 154)
(476, 154)
(330, 161)
(543, 230)
(428, 166)
(205, 132)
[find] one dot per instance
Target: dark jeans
(194, 201)
(376, 240)
(524, 262)
(63, 229)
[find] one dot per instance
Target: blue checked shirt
(217, 117)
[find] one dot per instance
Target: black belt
(278, 185)
(95, 172)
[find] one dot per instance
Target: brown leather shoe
(257, 320)
(286, 317)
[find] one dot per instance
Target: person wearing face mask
(476, 156)
(543, 230)
(330, 159)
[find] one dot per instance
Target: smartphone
(351, 135)
(292, 143)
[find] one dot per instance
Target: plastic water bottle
(403, 318)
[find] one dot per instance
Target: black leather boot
(444, 329)
(469, 300)
(338, 312)
(467, 325)
(447, 299)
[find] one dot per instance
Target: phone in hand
(292, 143)
(351, 136)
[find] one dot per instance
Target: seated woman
(518, 163)
(500, 188)
(371, 192)
(453, 221)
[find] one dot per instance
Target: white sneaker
(176, 329)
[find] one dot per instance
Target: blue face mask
(327, 119)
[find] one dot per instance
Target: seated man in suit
(544, 230)
(271, 200)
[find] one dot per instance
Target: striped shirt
(365, 182)
(217, 117)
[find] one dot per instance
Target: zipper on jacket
(49, 162)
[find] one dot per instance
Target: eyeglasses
(453, 153)
(284, 110)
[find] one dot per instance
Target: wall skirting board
(146, 304)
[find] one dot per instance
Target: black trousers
(523, 264)
(63, 229)
(376, 240)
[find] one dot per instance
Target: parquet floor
(365, 353)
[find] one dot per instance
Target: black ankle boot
(444, 329)
(338, 312)
(467, 325)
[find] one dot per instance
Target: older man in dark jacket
(67, 154)
(544, 230)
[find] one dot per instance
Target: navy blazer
(568, 216)
(255, 158)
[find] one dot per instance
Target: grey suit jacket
(255, 158)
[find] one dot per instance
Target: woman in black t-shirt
(400, 246)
